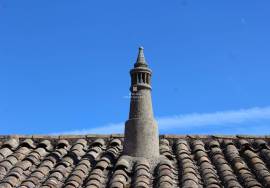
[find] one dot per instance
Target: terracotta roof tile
(96, 161)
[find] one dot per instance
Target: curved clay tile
(120, 177)
(28, 143)
(142, 176)
(165, 174)
(115, 142)
(98, 177)
(98, 142)
(206, 168)
(4, 152)
(46, 144)
(11, 143)
(239, 165)
(12, 160)
(260, 169)
(189, 175)
(25, 166)
(124, 164)
(165, 149)
(224, 169)
(62, 144)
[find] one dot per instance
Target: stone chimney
(141, 130)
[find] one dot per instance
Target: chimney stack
(141, 130)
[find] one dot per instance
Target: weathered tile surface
(95, 161)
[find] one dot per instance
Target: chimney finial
(141, 62)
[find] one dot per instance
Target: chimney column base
(141, 138)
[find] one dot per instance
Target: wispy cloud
(243, 121)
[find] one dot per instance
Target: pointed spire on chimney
(140, 59)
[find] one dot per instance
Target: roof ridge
(73, 136)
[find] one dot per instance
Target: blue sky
(64, 65)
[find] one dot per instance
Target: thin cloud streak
(193, 121)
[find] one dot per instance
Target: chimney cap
(141, 62)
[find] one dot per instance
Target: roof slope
(93, 161)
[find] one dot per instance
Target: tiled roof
(94, 161)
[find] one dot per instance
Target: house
(139, 158)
